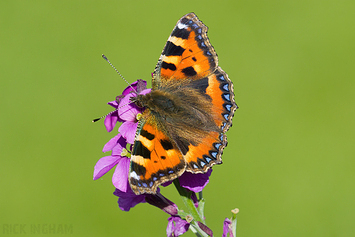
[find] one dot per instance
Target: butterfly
(187, 112)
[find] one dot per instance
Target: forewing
(155, 159)
(187, 54)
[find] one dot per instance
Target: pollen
(138, 116)
(125, 153)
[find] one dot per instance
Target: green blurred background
(289, 166)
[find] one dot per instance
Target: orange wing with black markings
(202, 154)
(155, 159)
(188, 111)
(189, 57)
(187, 54)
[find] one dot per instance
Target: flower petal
(116, 140)
(138, 85)
(146, 91)
(205, 228)
(111, 120)
(114, 104)
(227, 228)
(170, 228)
(178, 228)
(117, 148)
(181, 227)
(128, 131)
(194, 182)
(162, 202)
(127, 200)
(104, 165)
(120, 176)
(128, 110)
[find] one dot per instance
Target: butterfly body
(186, 114)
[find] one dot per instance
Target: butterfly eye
(139, 104)
(137, 101)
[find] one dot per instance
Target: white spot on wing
(181, 26)
(134, 175)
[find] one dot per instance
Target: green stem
(197, 214)
(187, 200)
(234, 221)
(200, 196)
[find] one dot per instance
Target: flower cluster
(120, 146)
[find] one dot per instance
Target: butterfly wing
(155, 159)
(187, 54)
(187, 69)
(209, 151)
(189, 59)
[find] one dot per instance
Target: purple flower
(120, 176)
(227, 228)
(205, 228)
(176, 226)
(125, 112)
(194, 182)
(128, 199)
(161, 202)
(128, 111)
(138, 85)
(194, 199)
(112, 118)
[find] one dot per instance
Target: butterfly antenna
(118, 73)
(95, 120)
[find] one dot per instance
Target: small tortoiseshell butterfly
(186, 114)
